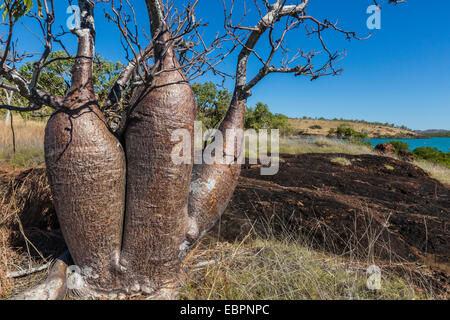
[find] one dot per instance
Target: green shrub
(362, 143)
(399, 146)
(212, 103)
(433, 155)
(316, 126)
(343, 131)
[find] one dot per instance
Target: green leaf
(4, 14)
(29, 5)
(39, 3)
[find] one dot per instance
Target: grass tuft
(342, 161)
(322, 145)
(435, 170)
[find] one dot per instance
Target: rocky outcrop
(385, 148)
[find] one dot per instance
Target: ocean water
(442, 144)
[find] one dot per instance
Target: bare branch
(39, 65)
(156, 14)
(35, 96)
(17, 83)
(294, 15)
(82, 68)
(276, 11)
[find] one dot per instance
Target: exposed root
(171, 292)
(22, 273)
(79, 289)
(54, 287)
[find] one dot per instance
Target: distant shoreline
(316, 127)
(306, 135)
(337, 128)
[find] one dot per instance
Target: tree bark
(157, 188)
(212, 186)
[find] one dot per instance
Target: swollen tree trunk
(213, 185)
(86, 170)
(157, 188)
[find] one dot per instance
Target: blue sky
(400, 75)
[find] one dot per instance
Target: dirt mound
(385, 148)
(366, 205)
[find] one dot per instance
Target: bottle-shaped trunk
(157, 188)
(86, 170)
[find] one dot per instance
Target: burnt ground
(376, 208)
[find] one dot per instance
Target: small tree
(399, 145)
(212, 103)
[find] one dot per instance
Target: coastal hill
(434, 133)
(321, 127)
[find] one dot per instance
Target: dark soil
(337, 205)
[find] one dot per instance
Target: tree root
(54, 287)
(59, 284)
(22, 273)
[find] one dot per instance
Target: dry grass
(322, 145)
(28, 227)
(265, 265)
(29, 136)
(342, 161)
(313, 145)
(372, 130)
(435, 170)
(273, 269)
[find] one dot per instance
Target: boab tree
(128, 213)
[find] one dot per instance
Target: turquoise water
(442, 144)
